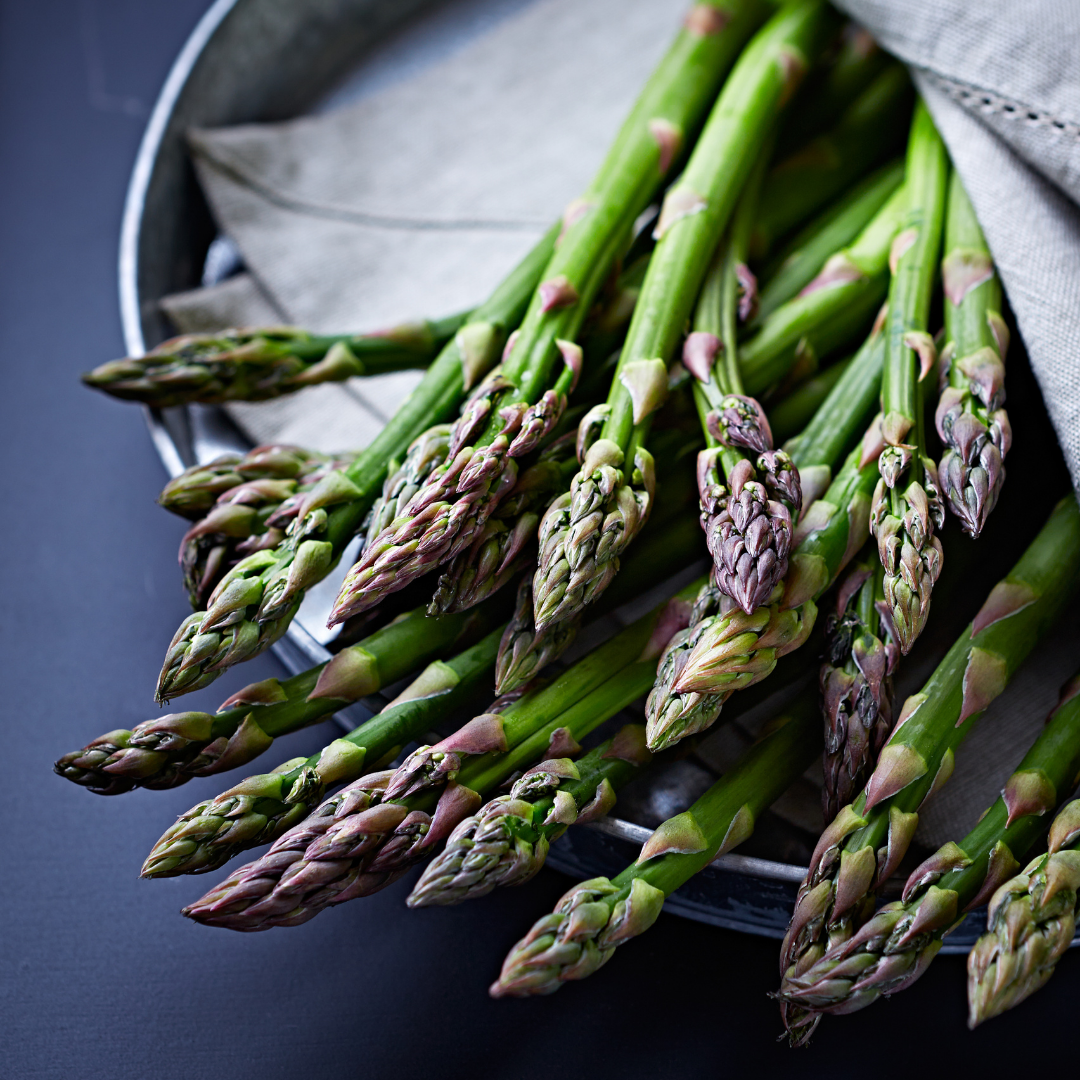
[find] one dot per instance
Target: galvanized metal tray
(264, 60)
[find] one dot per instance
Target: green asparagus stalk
(850, 65)
(260, 808)
(861, 656)
(254, 603)
(815, 174)
(907, 504)
(507, 841)
(170, 750)
(266, 362)
(863, 846)
(368, 834)
(583, 534)
(847, 410)
(836, 306)
(973, 425)
(895, 946)
(803, 258)
(528, 394)
(598, 915)
(1031, 919)
(788, 417)
(746, 511)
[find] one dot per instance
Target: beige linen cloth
(412, 196)
(415, 198)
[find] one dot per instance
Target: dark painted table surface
(101, 977)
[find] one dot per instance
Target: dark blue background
(101, 977)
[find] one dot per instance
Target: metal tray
(264, 60)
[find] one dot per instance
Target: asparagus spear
(971, 421)
(816, 173)
(250, 517)
(861, 656)
(367, 835)
(666, 547)
(259, 363)
(803, 258)
(193, 493)
(527, 396)
(907, 506)
(584, 533)
(254, 603)
(168, 751)
(598, 915)
(260, 808)
(506, 544)
(1032, 916)
(506, 842)
(746, 512)
(895, 946)
(863, 846)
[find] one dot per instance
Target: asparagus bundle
(367, 835)
(250, 516)
(527, 395)
(863, 846)
(598, 915)
(170, 750)
(973, 426)
(658, 554)
(507, 840)
(255, 364)
(1032, 916)
(260, 808)
(478, 477)
(896, 945)
(584, 533)
(254, 603)
(907, 505)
